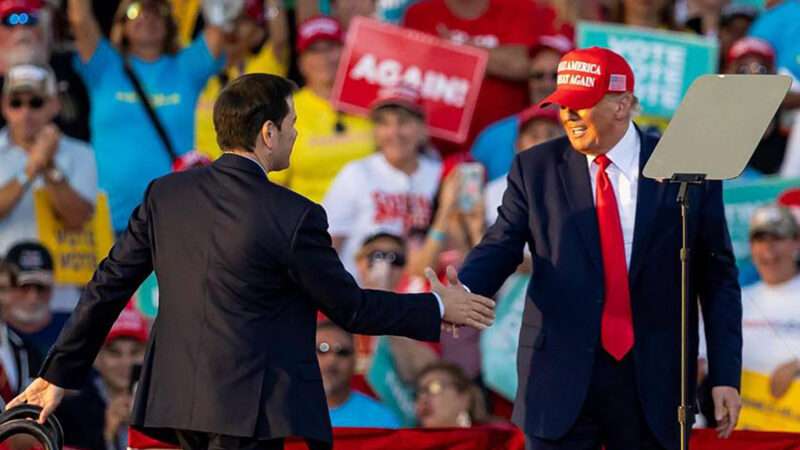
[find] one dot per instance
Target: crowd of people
(106, 96)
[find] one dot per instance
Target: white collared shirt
(624, 175)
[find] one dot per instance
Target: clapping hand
(460, 306)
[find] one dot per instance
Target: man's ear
(266, 134)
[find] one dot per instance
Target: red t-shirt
(505, 22)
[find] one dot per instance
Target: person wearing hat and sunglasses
(34, 155)
(496, 145)
(144, 39)
(604, 367)
(27, 35)
(327, 139)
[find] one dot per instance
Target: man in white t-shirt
(771, 323)
(391, 191)
(34, 155)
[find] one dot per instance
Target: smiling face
(595, 130)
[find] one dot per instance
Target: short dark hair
(245, 104)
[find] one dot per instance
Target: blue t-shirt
(43, 339)
(363, 412)
(780, 26)
(495, 147)
(127, 147)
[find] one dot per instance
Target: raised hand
(460, 306)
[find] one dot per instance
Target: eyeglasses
(20, 19)
(337, 349)
(33, 103)
(396, 259)
(433, 388)
(539, 76)
(136, 9)
(39, 288)
(753, 69)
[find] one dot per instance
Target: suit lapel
(648, 198)
(574, 172)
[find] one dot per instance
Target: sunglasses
(136, 9)
(753, 69)
(20, 19)
(33, 103)
(336, 349)
(394, 258)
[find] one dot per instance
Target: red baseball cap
(130, 324)
(535, 112)
(751, 46)
(585, 76)
(404, 95)
(254, 9)
(27, 6)
(318, 29)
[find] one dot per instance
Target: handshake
(461, 307)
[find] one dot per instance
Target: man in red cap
(602, 366)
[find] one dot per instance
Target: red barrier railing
(494, 438)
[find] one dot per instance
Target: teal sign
(147, 296)
(664, 63)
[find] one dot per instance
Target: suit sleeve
(315, 266)
(128, 263)
(499, 253)
(719, 292)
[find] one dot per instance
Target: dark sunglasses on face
(394, 258)
(32, 103)
(539, 76)
(433, 388)
(20, 19)
(336, 349)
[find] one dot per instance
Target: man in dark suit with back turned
(605, 241)
(242, 265)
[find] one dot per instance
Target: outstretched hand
(41, 393)
(461, 307)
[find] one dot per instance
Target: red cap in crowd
(254, 9)
(585, 76)
(130, 324)
(404, 95)
(318, 28)
(535, 112)
(556, 42)
(26, 6)
(190, 160)
(751, 46)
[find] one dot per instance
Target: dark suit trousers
(195, 440)
(612, 415)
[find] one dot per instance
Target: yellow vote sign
(76, 253)
(762, 411)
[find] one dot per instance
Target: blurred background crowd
(101, 97)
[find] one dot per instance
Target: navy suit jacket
(243, 265)
(548, 205)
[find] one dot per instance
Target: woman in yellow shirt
(326, 139)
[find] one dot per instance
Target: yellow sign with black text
(762, 411)
(76, 253)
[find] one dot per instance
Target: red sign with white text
(379, 55)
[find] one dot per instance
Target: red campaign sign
(379, 55)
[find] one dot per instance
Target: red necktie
(617, 325)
